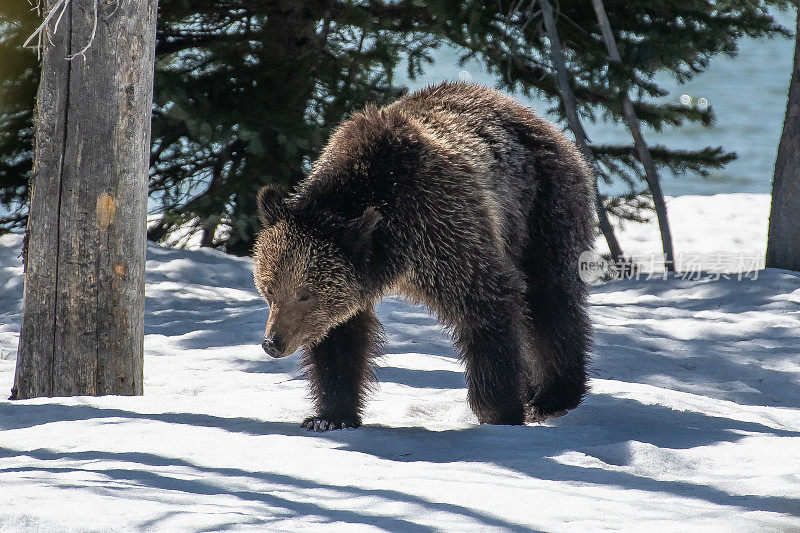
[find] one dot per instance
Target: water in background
(748, 94)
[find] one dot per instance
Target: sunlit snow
(692, 423)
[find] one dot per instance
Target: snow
(693, 421)
(712, 232)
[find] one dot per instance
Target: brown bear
(454, 196)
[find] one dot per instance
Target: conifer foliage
(247, 92)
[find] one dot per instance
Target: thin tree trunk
(207, 236)
(783, 242)
(83, 313)
(210, 228)
(642, 151)
(575, 125)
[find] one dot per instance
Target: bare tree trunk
(783, 243)
(642, 151)
(575, 125)
(83, 313)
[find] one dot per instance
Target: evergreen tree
(674, 36)
(19, 79)
(247, 92)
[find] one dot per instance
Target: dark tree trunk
(783, 243)
(575, 125)
(642, 151)
(83, 315)
(158, 231)
(207, 236)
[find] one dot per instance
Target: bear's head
(309, 269)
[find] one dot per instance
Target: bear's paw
(322, 423)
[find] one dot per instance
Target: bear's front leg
(339, 371)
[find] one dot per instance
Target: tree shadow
(421, 379)
(601, 428)
(198, 316)
(732, 340)
(641, 348)
(202, 299)
(637, 348)
(204, 485)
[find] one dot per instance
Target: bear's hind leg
(488, 336)
(338, 368)
(560, 339)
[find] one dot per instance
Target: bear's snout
(274, 346)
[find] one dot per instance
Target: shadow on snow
(216, 312)
(603, 421)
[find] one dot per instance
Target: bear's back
(476, 138)
(499, 139)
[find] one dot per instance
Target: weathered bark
(783, 242)
(83, 314)
(574, 122)
(642, 151)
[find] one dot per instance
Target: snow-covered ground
(693, 422)
(720, 233)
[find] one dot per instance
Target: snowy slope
(693, 422)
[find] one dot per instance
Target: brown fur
(463, 200)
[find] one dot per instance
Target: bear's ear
(358, 236)
(272, 205)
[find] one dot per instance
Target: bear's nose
(274, 346)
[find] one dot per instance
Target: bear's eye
(269, 291)
(303, 297)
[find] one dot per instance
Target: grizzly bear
(456, 197)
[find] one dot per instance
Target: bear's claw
(318, 423)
